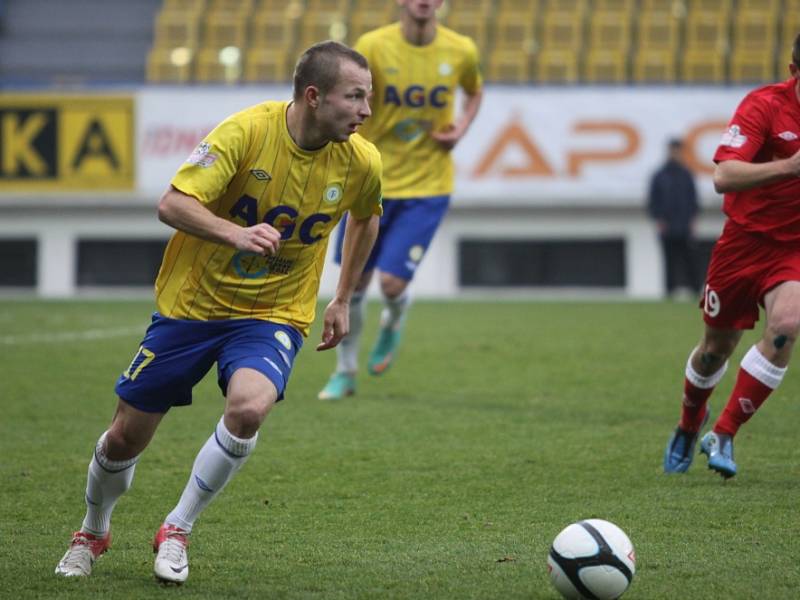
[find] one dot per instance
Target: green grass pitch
(448, 477)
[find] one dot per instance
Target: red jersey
(765, 127)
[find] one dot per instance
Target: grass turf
(447, 477)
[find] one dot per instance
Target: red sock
(747, 396)
(693, 409)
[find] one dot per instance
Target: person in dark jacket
(672, 203)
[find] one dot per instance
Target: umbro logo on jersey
(260, 175)
(788, 136)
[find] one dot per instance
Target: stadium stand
(521, 41)
(74, 42)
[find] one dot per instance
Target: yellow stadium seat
(321, 26)
(363, 21)
(702, 67)
(752, 67)
(614, 6)
(264, 66)
(215, 65)
(606, 66)
(164, 66)
(576, 8)
(676, 8)
(470, 7)
(239, 7)
(610, 31)
(658, 31)
(472, 25)
(706, 31)
(511, 32)
(764, 6)
(335, 6)
(557, 66)
(716, 7)
(519, 7)
(654, 66)
(177, 29)
(225, 29)
(266, 31)
(790, 28)
(755, 31)
(509, 66)
(386, 10)
(561, 31)
(291, 9)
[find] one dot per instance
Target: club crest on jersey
(202, 156)
(445, 69)
(332, 193)
(733, 137)
(283, 338)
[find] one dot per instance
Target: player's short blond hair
(320, 66)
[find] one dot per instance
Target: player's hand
(794, 163)
(335, 324)
(261, 239)
(448, 136)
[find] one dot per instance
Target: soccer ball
(591, 559)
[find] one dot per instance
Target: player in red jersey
(755, 262)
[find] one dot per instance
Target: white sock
(347, 350)
(106, 482)
(394, 311)
(219, 459)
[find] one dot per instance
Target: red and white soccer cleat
(84, 549)
(172, 562)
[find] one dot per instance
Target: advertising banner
(64, 143)
(575, 146)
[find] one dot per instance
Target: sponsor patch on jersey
(332, 193)
(283, 338)
(733, 137)
(788, 136)
(445, 69)
(202, 156)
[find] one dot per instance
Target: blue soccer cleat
(338, 386)
(719, 449)
(382, 355)
(680, 448)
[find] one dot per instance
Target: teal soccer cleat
(680, 448)
(719, 449)
(338, 386)
(382, 355)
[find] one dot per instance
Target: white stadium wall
(538, 164)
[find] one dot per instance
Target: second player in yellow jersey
(417, 67)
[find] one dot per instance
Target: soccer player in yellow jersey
(253, 207)
(416, 65)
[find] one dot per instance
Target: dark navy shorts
(406, 230)
(176, 354)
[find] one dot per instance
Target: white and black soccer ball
(591, 559)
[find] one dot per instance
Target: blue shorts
(176, 354)
(406, 230)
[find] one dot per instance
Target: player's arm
(359, 237)
(737, 175)
(450, 135)
(188, 214)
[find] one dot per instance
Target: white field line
(70, 336)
